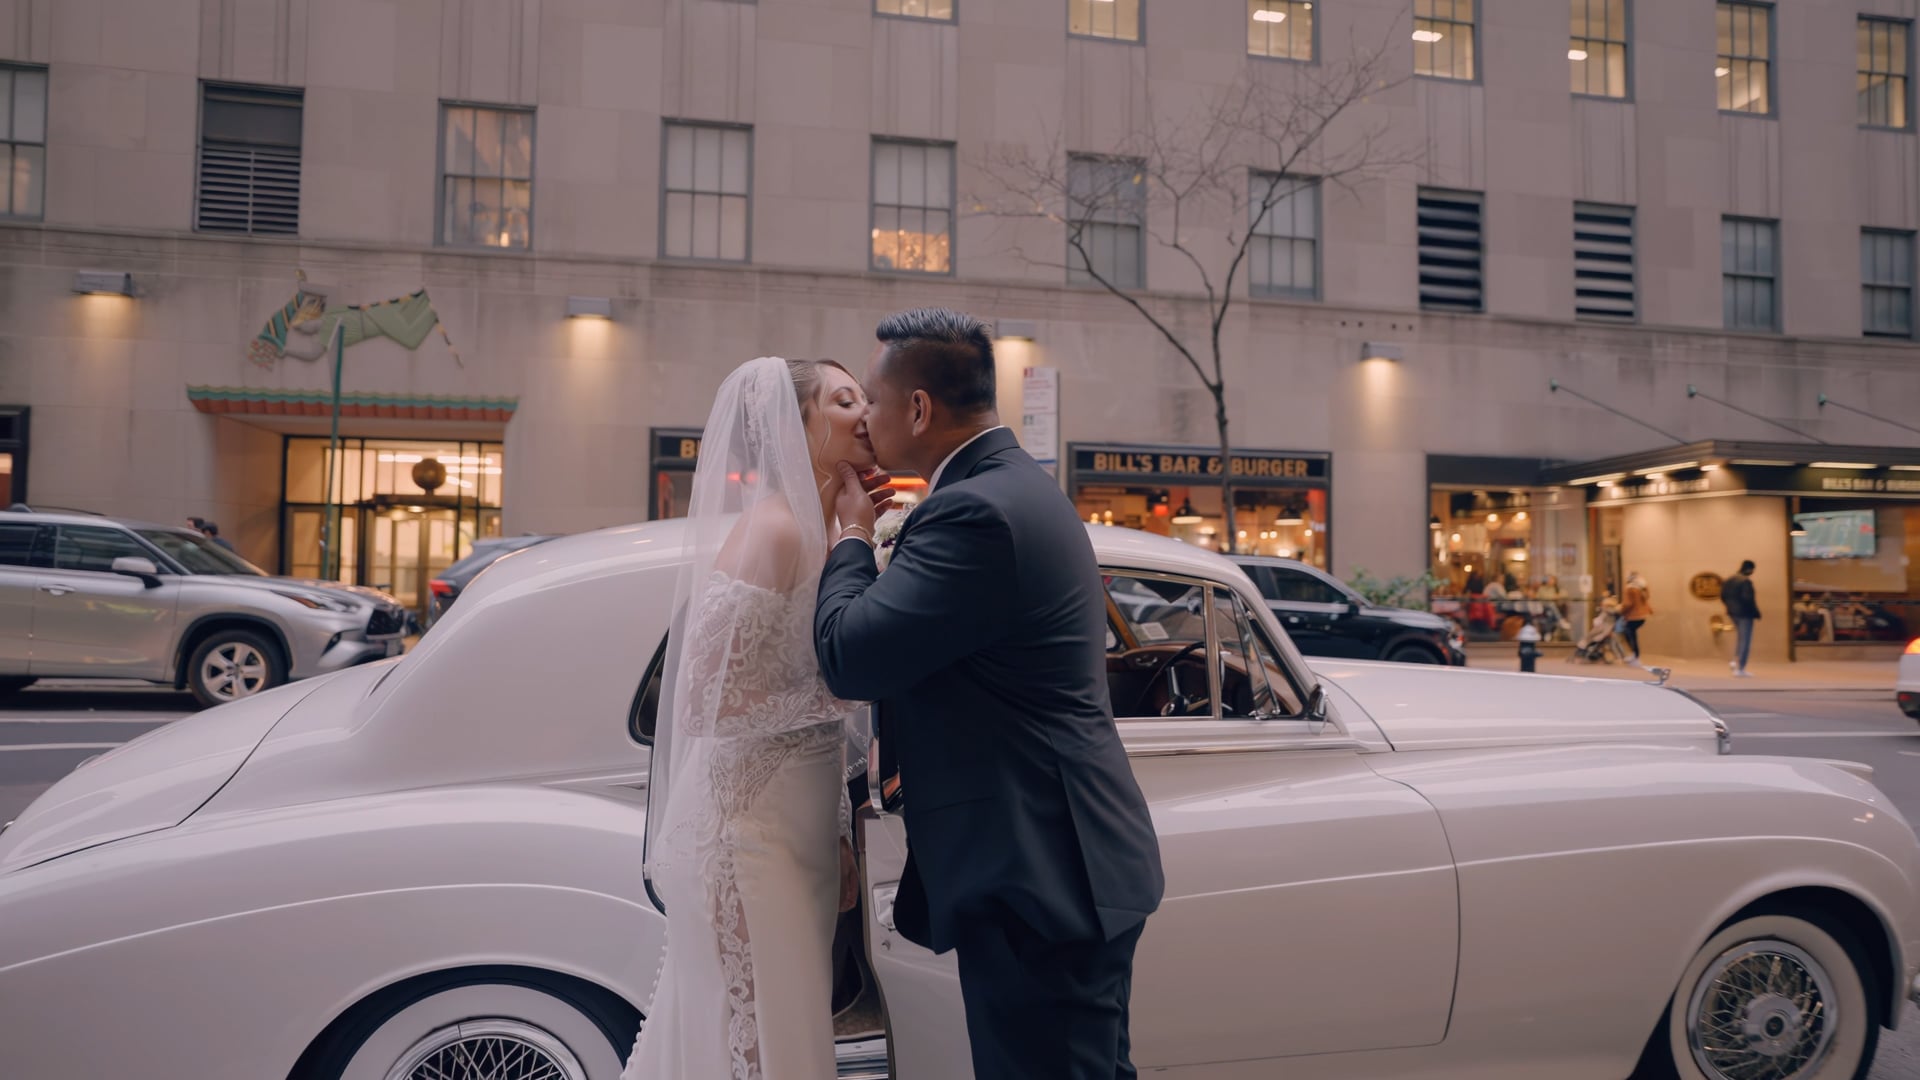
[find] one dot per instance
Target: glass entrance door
(405, 548)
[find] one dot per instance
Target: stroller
(1601, 645)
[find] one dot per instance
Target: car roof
(81, 517)
(1273, 560)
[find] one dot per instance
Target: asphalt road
(44, 734)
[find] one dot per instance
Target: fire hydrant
(1529, 649)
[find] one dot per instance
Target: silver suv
(83, 596)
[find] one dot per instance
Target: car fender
(1619, 861)
(264, 927)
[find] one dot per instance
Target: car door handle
(57, 590)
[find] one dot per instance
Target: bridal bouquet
(886, 533)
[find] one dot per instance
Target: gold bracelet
(865, 533)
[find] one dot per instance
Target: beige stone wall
(1670, 542)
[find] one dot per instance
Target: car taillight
(441, 588)
(1913, 647)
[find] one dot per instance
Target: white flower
(886, 533)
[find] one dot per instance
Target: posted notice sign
(1040, 415)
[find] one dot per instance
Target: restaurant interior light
(1270, 16)
(1380, 350)
(1185, 515)
(103, 282)
(589, 307)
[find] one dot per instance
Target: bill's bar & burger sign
(1188, 465)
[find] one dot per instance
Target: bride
(753, 792)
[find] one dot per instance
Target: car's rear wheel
(1771, 997)
(1413, 654)
(233, 664)
(478, 1025)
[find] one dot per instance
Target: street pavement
(44, 733)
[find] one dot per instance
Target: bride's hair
(806, 381)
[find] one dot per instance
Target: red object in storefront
(1913, 647)
(440, 588)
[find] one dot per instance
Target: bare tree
(1202, 184)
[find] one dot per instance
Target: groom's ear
(920, 412)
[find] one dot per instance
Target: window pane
(29, 181)
(679, 230)
(706, 226)
(706, 159)
(913, 176)
(1303, 276)
(30, 106)
(517, 140)
(733, 167)
(488, 156)
(6, 104)
(940, 177)
(459, 148)
(16, 544)
(733, 227)
(1763, 247)
(680, 158)
(81, 548)
(886, 245)
(886, 173)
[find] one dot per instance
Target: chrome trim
(1248, 747)
(1722, 736)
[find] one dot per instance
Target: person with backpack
(1743, 608)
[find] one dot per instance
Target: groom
(984, 644)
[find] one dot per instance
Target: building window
(23, 141)
(1882, 47)
(1603, 279)
(1443, 38)
(1597, 49)
(1749, 260)
(1107, 213)
(13, 453)
(486, 177)
(1284, 257)
(912, 207)
(1280, 29)
(1886, 282)
(1744, 70)
(916, 9)
(707, 192)
(249, 178)
(1450, 251)
(1118, 20)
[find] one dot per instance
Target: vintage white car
(431, 867)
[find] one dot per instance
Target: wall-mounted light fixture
(1016, 329)
(589, 307)
(1381, 350)
(103, 282)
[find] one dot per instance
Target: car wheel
(233, 664)
(1772, 997)
(478, 1027)
(1412, 654)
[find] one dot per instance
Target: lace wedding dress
(753, 801)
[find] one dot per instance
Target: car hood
(1425, 707)
(154, 782)
(1424, 620)
(360, 592)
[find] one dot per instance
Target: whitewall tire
(487, 1031)
(1772, 997)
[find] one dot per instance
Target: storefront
(13, 454)
(1504, 549)
(1834, 530)
(408, 509)
(670, 480)
(1280, 498)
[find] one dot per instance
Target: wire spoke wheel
(488, 1049)
(1762, 1011)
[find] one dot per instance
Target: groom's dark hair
(946, 353)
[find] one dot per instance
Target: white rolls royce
(431, 867)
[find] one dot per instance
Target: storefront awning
(1717, 453)
(249, 401)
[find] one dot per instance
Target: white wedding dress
(746, 857)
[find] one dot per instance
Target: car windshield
(199, 554)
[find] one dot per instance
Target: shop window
(1856, 572)
(1603, 271)
(13, 454)
(1503, 558)
(1450, 251)
(1597, 48)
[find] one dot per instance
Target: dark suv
(1326, 618)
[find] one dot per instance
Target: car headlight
(318, 603)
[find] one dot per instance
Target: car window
(84, 547)
(1157, 647)
(1262, 579)
(643, 719)
(199, 554)
(1253, 684)
(1296, 587)
(16, 543)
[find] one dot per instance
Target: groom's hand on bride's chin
(863, 497)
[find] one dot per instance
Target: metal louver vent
(1603, 279)
(248, 190)
(249, 179)
(1450, 251)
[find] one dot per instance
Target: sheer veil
(755, 472)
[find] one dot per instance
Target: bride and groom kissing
(983, 650)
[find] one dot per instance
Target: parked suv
(84, 596)
(1326, 618)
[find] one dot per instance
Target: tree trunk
(1231, 535)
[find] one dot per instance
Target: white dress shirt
(934, 480)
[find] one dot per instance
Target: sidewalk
(1806, 676)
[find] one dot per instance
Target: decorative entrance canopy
(231, 400)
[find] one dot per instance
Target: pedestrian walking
(211, 530)
(1744, 609)
(1636, 607)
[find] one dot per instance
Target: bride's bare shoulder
(764, 546)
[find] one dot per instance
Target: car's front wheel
(1771, 997)
(478, 1025)
(1413, 654)
(233, 664)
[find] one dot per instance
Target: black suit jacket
(984, 647)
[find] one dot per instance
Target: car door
(1311, 905)
(1313, 611)
(90, 621)
(17, 582)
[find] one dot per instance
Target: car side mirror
(135, 566)
(1315, 711)
(1353, 608)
